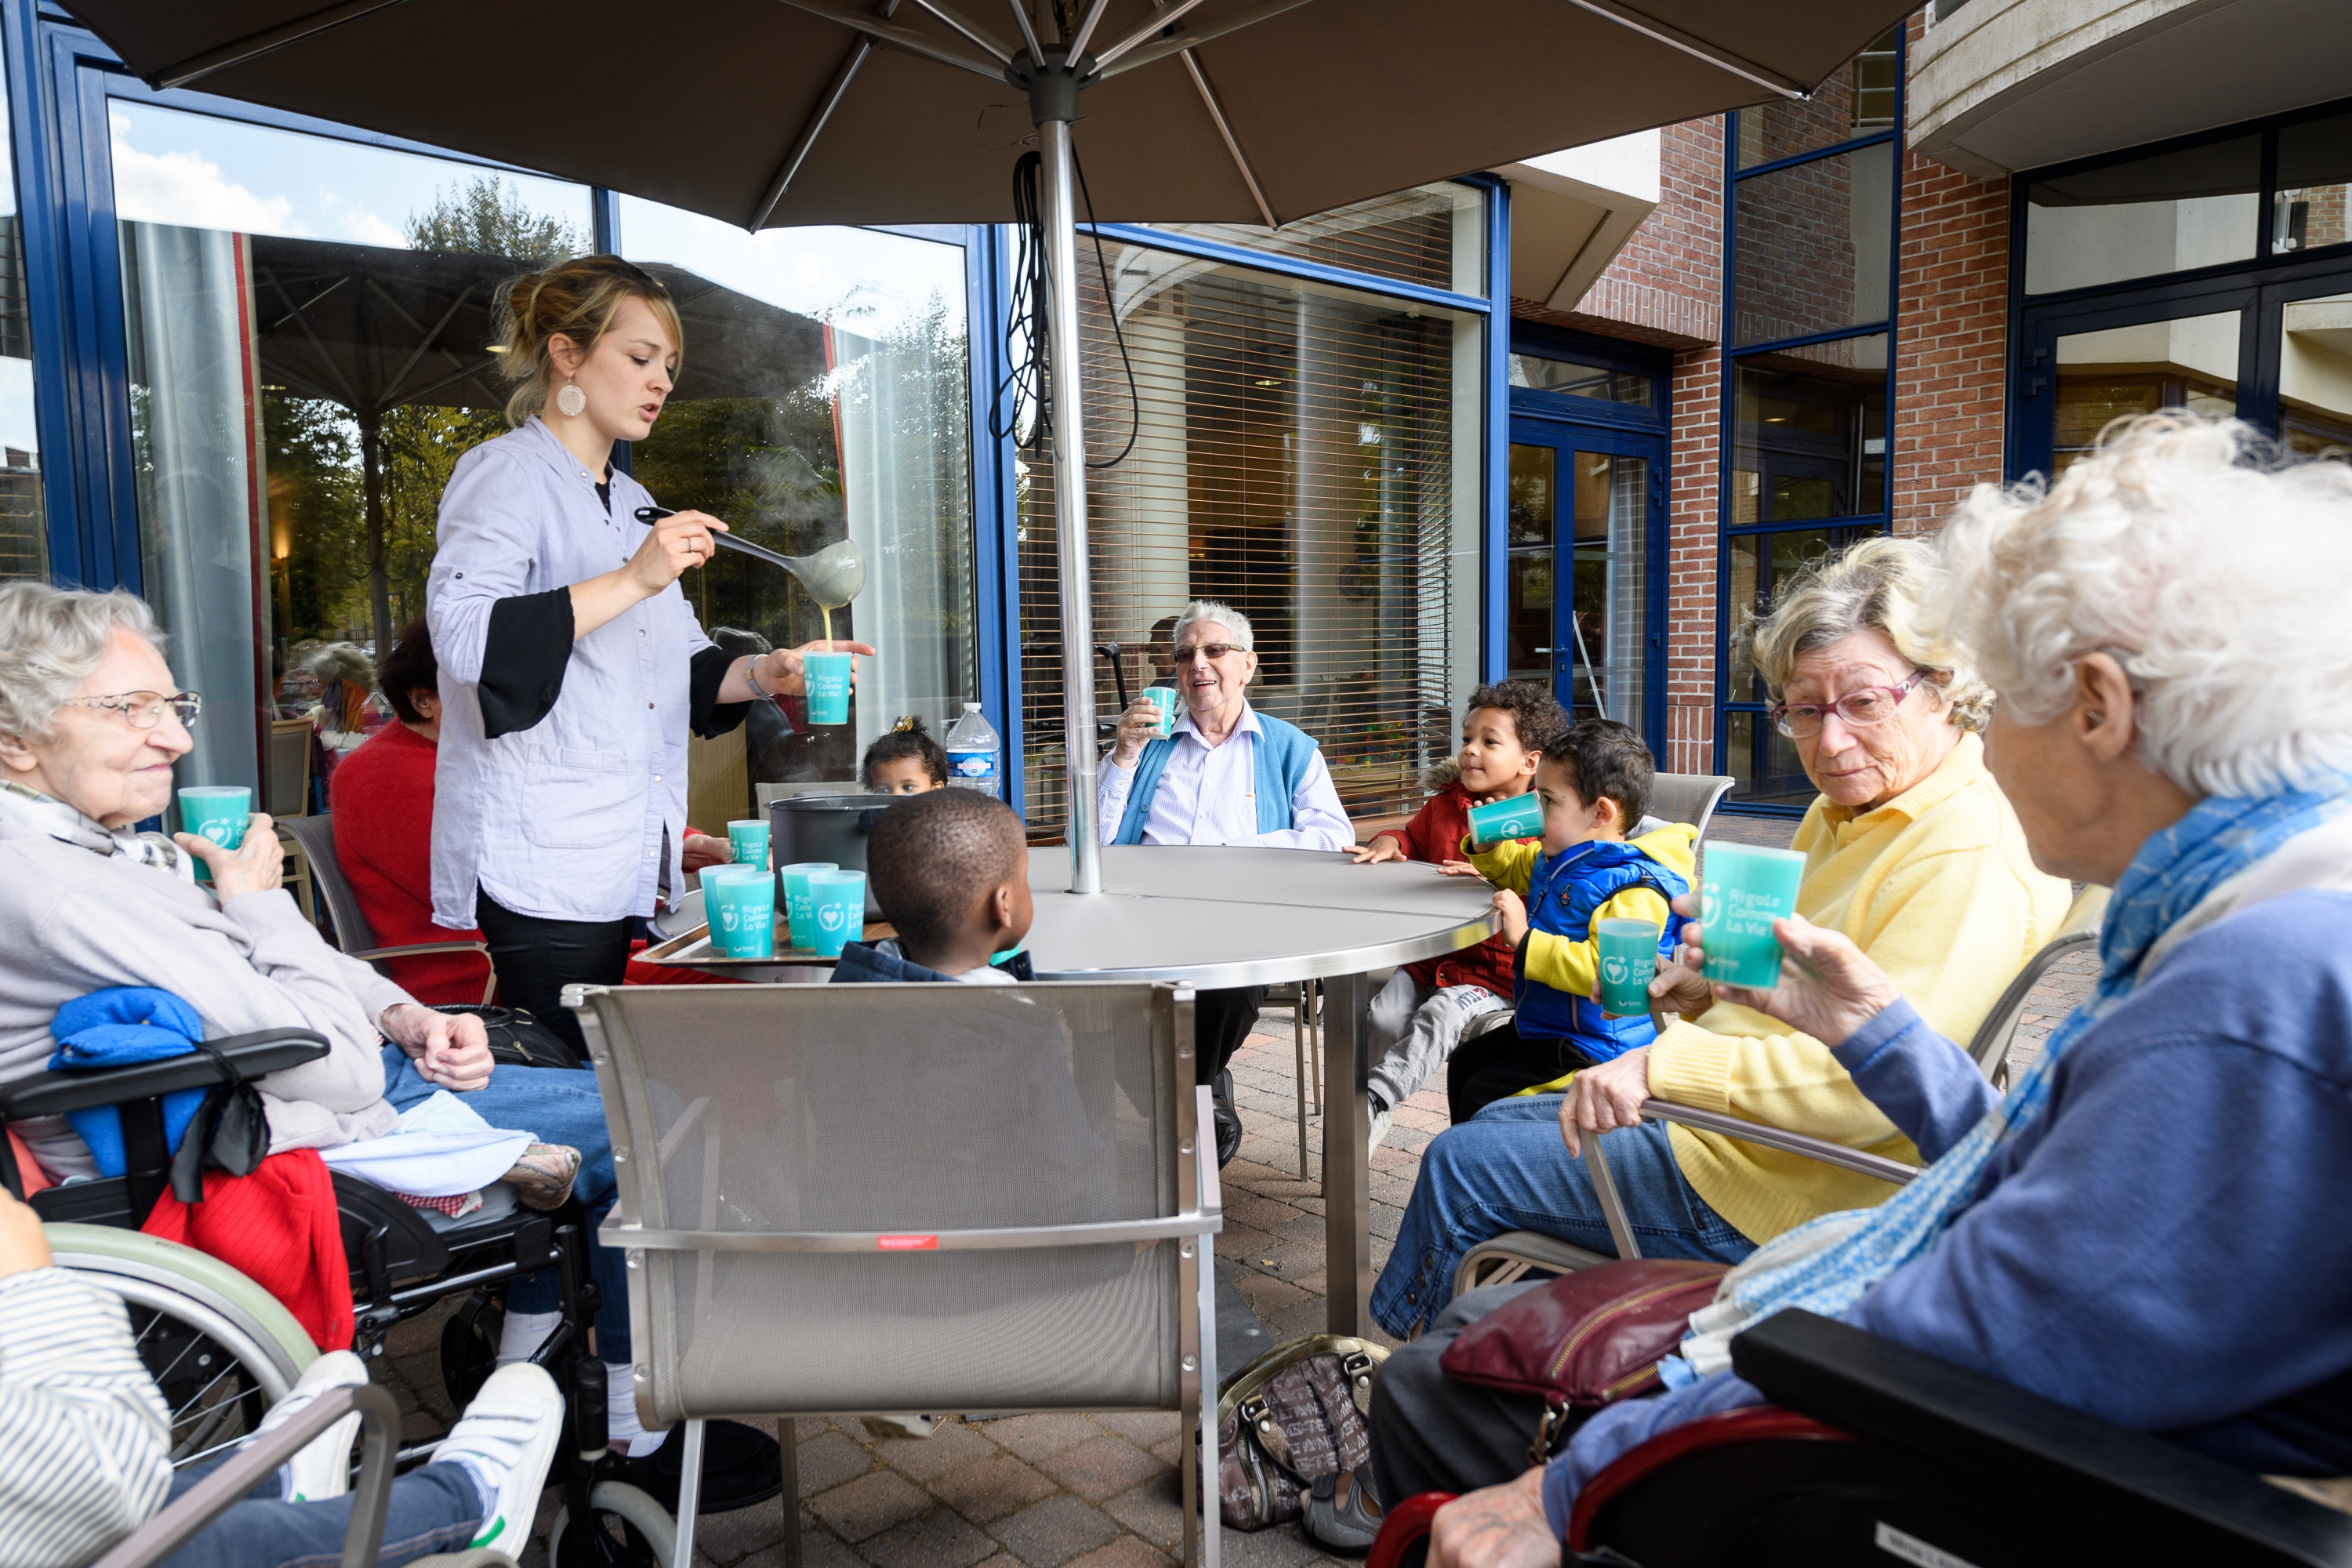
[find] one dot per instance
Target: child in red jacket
(1418, 1017)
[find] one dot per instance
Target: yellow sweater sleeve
(1946, 928)
(1565, 964)
(1510, 864)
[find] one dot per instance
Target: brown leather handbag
(1584, 1340)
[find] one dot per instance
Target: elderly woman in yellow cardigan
(1911, 850)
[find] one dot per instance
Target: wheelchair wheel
(627, 1529)
(219, 1348)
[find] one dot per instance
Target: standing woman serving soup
(571, 668)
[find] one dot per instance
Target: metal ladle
(833, 576)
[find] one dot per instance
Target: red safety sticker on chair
(908, 1243)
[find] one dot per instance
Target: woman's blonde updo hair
(1879, 585)
(579, 299)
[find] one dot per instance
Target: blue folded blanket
(116, 1028)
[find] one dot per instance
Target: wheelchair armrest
(1821, 1149)
(254, 1055)
(370, 954)
(2151, 1500)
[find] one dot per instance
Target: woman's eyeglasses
(145, 710)
(1860, 708)
(1211, 650)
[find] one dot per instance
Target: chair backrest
(848, 1197)
(2079, 932)
(316, 835)
(1688, 797)
(287, 790)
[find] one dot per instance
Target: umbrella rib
(1163, 17)
(1145, 54)
(1079, 39)
(350, 398)
(1028, 33)
(1722, 60)
(788, 170)
(426, 344)
(255, 45)
(905, 38)
(971, 31)
(1233, 144)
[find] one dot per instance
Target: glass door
(2303, 346)
(2082, 369)
(1586, 532)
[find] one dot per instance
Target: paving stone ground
(1068, 1490)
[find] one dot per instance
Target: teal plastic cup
(1628, 954)
(739, 902)
(827, 676)
(793, 882)
(748, 840)
(1742, 891)
(217, 814)
(836, 909)
(1163, 698)
(1519, 816)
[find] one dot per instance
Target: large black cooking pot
(827, 827)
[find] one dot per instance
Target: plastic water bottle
(972, 750)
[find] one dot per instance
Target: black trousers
(1221, 1020)
(535, 959)
(1431, 1434)
(1499, 1063)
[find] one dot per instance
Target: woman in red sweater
(382, 797)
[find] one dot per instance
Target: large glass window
(308, 324)
(1808, 432)
(2103, 376)
(1429, 234)
(825, 396)
(1295, 454)
(1859, 101)
(24, 520)
(2315, 174)
(2194, 208)
(1811, 246)
(2316, 376)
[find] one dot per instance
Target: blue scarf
(1826, 1265)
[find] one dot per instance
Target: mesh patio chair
(1688, 797)
(844, 1199)
(1514, 1254)
(353, 935)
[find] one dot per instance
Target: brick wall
(1694, 454)
(1951, 340)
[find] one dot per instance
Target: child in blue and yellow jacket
(1594, 783)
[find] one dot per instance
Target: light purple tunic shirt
(568, 819)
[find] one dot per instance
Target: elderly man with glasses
(1229, 775)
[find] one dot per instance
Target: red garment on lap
(382, 797)
(278, 1228)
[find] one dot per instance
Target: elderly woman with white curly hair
(2150, 1226)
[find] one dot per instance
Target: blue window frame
(1811, 267)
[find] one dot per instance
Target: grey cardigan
(72, 923)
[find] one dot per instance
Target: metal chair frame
(1193, 1224)
(353, 935)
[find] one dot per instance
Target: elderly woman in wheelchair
(2148, 1228)
(91, 723)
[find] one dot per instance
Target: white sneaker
(1381, 1116)
(506, 1439)
(323, 1468)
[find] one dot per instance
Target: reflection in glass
(2316, 376)
(307, 324)
(24, 518)
(1762, 566)
(1809, 432)
(1810, 246)
(1535, 484)
(2113, 374)
(1610, 630)
(1856, 102)
(827, 399)
(1529, 651)
(2178, 210)
(2315, 174)
(1429, 234)
(1539, 373)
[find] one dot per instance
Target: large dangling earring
(571, 401)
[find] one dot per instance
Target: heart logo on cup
(830, 917)
(216, 831)
(1613, 971)
(726, 917)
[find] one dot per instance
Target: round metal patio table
(1222, 917)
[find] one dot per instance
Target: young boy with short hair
(1595, 785)
(1420, 1015)
(950, 869)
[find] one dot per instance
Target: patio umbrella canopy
(777, 112)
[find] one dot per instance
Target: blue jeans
(1507, 1169)
(437, 1508)
(555, 1106)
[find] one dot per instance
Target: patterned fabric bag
(1296, 1413)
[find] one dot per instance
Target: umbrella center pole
(1054, 86)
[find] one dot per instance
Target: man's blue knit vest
(1281, 754)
